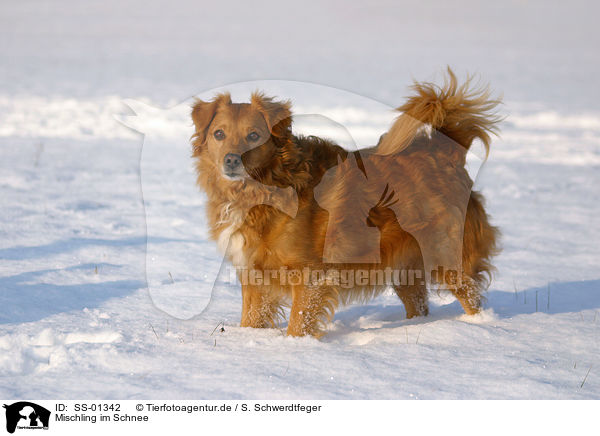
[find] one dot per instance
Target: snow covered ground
(84, 313)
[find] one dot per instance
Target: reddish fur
(420, 167)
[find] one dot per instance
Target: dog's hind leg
(414, 298)
(469, 296)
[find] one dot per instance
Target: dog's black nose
(232, 161)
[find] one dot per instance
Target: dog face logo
(26, 415)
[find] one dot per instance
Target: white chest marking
(231, 241)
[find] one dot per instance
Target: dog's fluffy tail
(462, 113)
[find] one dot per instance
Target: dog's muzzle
(232, 166)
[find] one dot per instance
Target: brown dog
(400, 214)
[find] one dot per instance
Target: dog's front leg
(259, 307)
(311, 308)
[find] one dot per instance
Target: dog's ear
(277, 114)
(203, 113)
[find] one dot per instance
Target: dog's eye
(219, 135)
(252, 136)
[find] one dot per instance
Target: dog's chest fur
(229, 234)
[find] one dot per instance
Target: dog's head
(240, 140)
